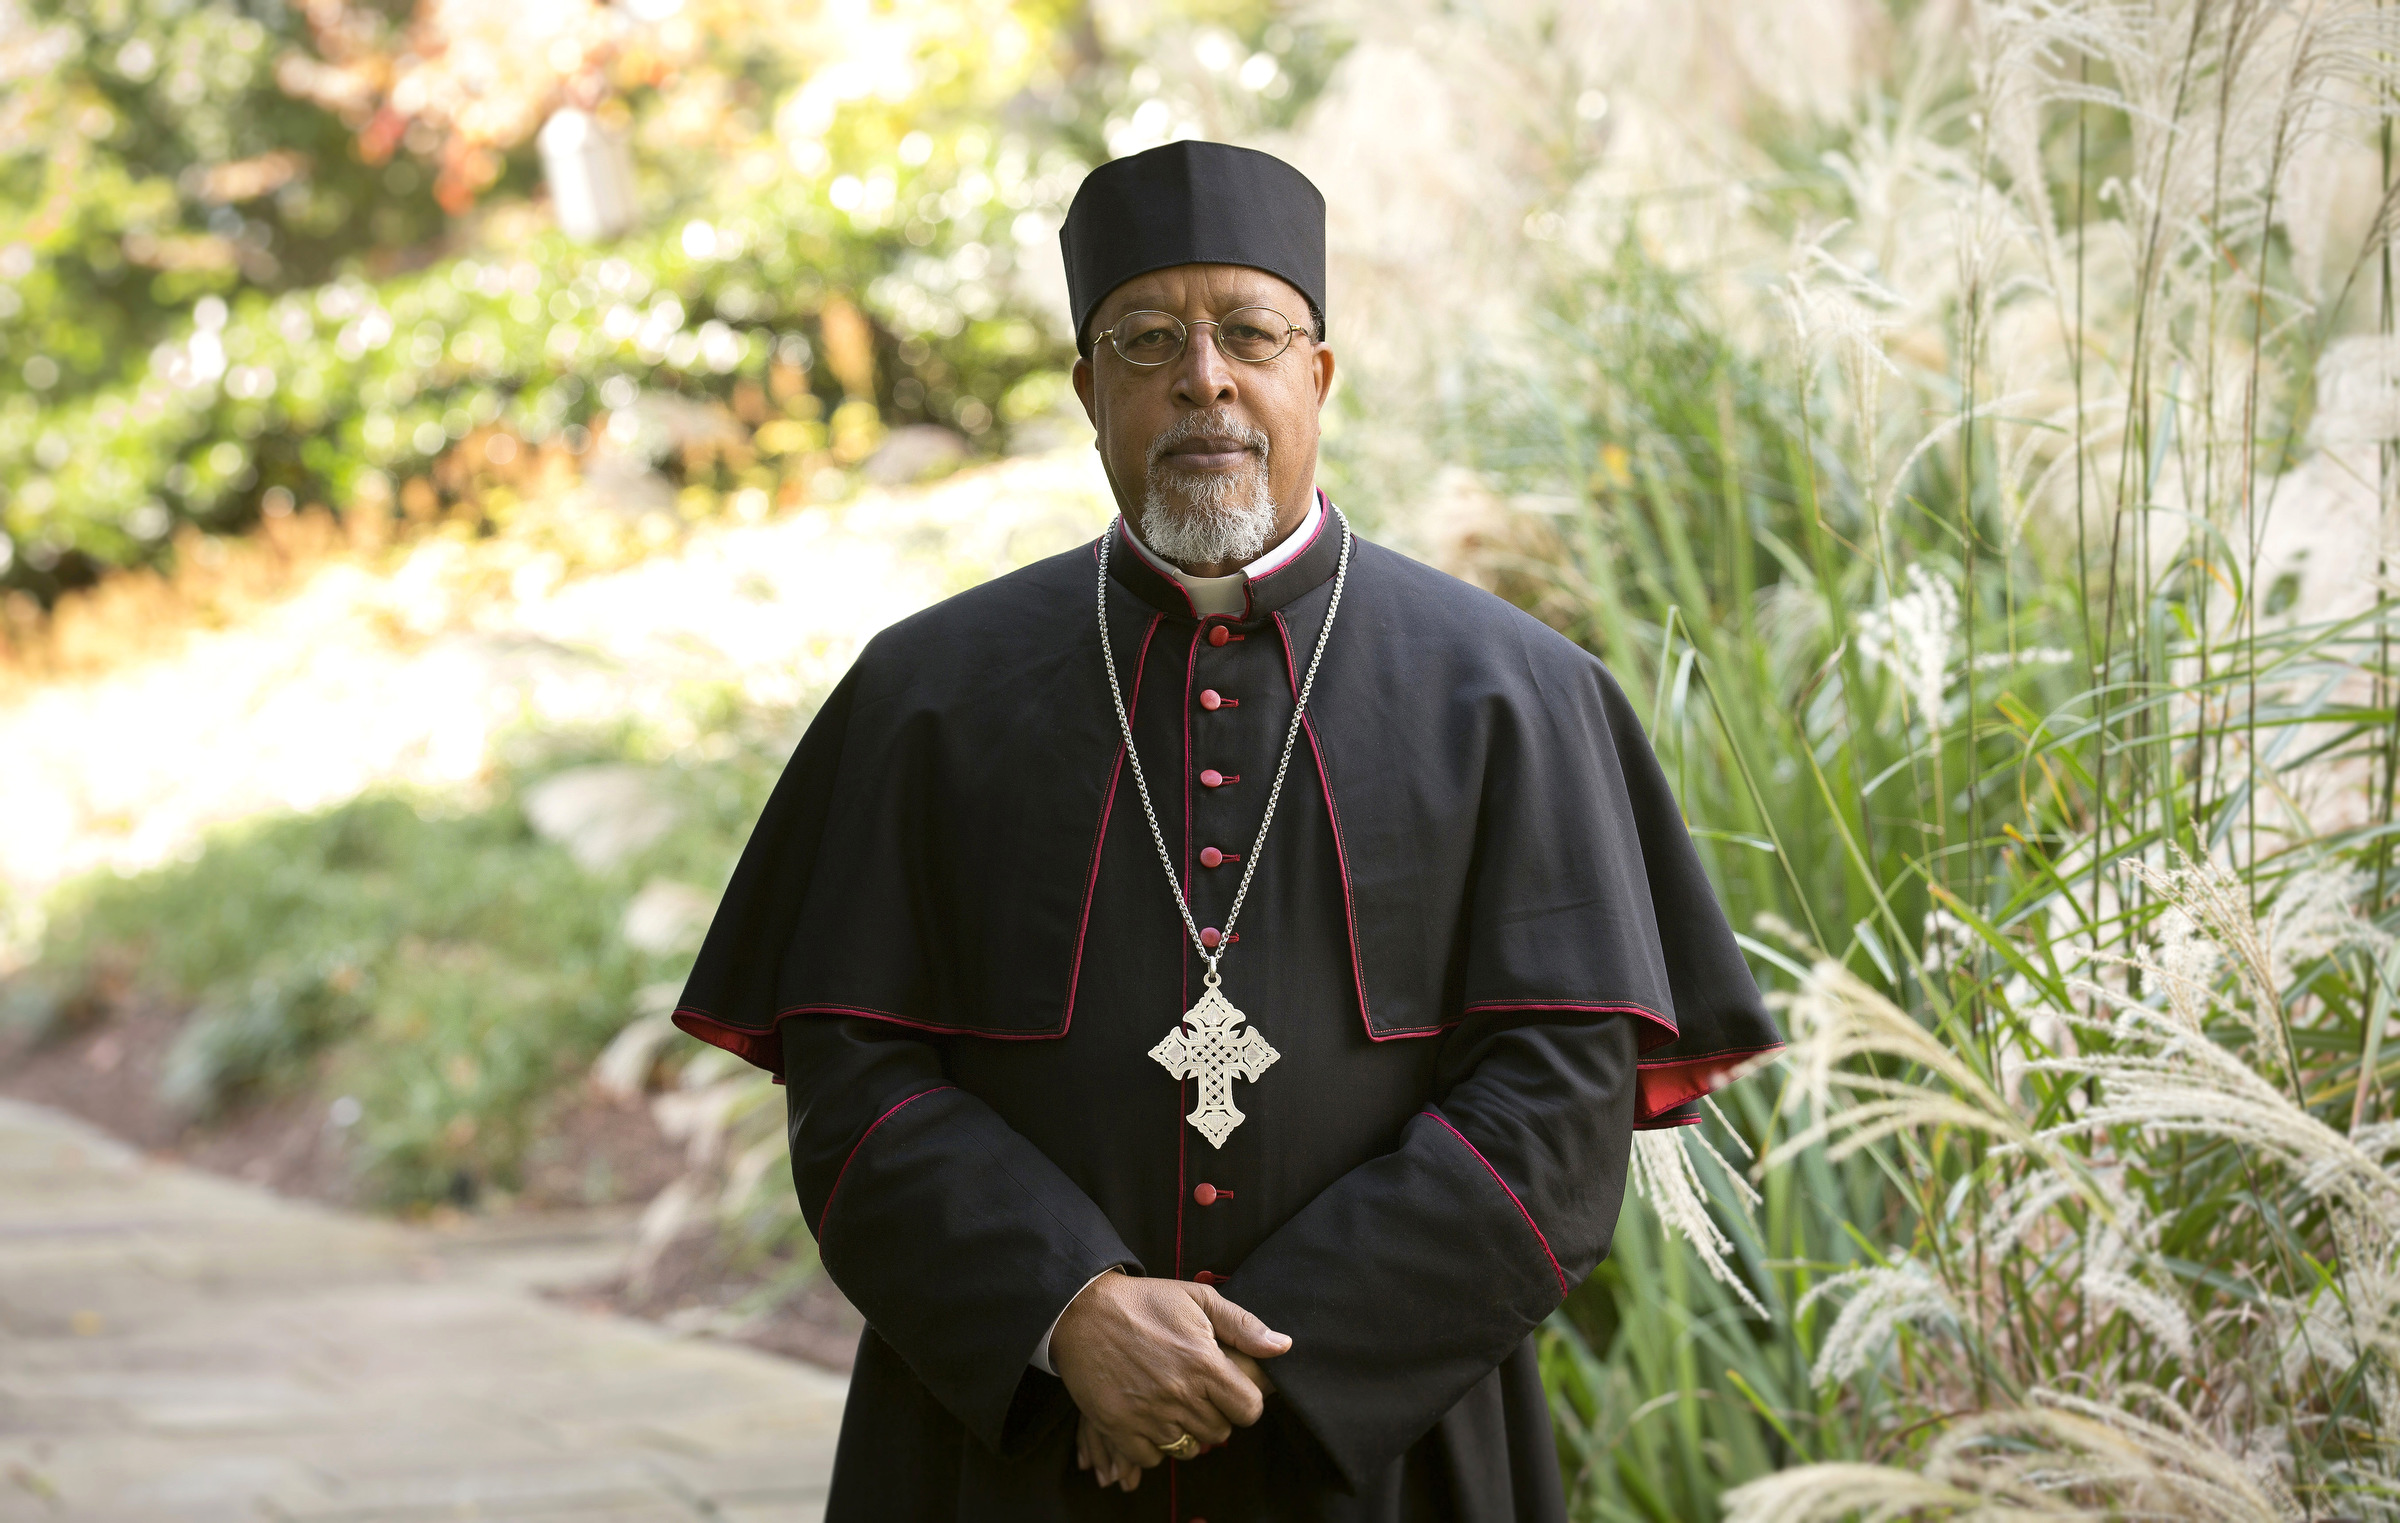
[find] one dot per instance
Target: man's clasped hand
(1152, 1363)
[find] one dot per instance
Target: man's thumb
(1236, 1328)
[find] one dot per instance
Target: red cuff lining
(762, 1048)
(1664, 1086)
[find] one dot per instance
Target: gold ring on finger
(1185, 1447)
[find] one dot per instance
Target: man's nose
(1203, 376)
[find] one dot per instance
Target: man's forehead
(1205, 284)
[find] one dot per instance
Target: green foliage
(214, 293)
(243, 1042)
(444, 966)
(333, 394)
(1929, 667)
(1666, 1390)
(156, 160)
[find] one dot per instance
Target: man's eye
(1155, 338)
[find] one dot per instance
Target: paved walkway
(181, 1348)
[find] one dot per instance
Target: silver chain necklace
(1204, 1045)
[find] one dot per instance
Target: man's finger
(1208, 1401)
(1209, 1423)
(1131, 1451)
(1236, 1398)
(1238, 1329)
(1251, 1371)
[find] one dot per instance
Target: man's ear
(1323, 361)
(1084, 392)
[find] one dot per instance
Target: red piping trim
(1091, 882)
(825, 1217)
(1665, 1023)
(1291, 672)
(1125, 532)
(1399, 1032)
(1731, 1055)
(1341, 860)
(1341, 855)
(1563, 1286)
(1666, 1126)
(1324, 516)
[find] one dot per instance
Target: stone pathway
(181, 1348)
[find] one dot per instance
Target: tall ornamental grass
(1989, 501)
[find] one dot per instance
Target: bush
(444, 967)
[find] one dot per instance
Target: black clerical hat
(1192, 203)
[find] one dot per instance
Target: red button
(1211, 699)
(1210, 777)
(1210, 936)
(1205, 1194)
(1211, 857)
(1209, 1277)
(1218, 635)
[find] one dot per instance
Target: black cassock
(1479, 939)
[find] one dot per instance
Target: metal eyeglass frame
(1184, 340)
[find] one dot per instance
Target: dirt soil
(695, 1281)
(102, 1062)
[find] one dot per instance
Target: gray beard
(1197, 520)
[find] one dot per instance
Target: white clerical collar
(1230, 594)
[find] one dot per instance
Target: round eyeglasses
(1253, 335)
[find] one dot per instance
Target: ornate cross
(1211, 1053)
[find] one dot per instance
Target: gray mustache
(1206, 424)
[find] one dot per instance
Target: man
(1217, 969)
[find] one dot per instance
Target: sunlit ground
(409, 675)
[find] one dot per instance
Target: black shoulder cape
(1506, 840)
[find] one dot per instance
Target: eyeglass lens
(1252, 334)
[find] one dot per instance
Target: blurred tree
(263, 253)
(149, 157)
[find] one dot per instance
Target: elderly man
(1218, 969)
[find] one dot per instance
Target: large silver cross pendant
(1210, 1052)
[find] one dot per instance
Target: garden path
(177, 1346)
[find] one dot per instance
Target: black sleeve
(1415, 1274)
(954, 1236)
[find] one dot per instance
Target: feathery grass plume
(2059, 1456)
(1880, 1302)
(1857, 1493)
(1836, 1020)
(1662, 1174)
(2088, 1284)
(2031, 317)
(1910, 636)
(2316, 915)
(2207, 896)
